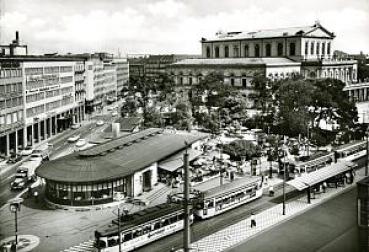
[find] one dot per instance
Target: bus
(141, 228)
(353, 151)
(223, 198)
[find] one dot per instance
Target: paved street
(328, 227)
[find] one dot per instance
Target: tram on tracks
(353, 151)
(217, 200)
(228, 196)
(140, 228)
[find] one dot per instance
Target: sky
(170, 26)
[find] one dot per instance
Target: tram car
(140, 228)
(228, 196)
(353, 151)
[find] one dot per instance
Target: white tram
(141, 228)
(353, 151)
(223, 198)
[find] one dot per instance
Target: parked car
(81, 142)
(75, 126)
(14, 158)
(74, 138)
(27, 151)
(100, 122)
(114, 113)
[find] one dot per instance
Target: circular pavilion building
(126, 166)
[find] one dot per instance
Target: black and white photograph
(184, 126)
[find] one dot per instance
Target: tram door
(147, 180)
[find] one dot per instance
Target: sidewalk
(240, 232)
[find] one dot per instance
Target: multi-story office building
(122, 67)
(11, 108)
(46, 94)
(101, 80)
(154, 65)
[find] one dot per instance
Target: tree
(363, 72)
(183, 117)
(239, 148)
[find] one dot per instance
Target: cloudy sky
(170, 26)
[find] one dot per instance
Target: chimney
(17, 37)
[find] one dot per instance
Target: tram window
(101, 244)
(248, 191)
(157, 225)
(127, 236)
(181, 216)
(112, 242)
(210, 204)
(137, 233)
(173, 219)
(147, 229)
(166, 222)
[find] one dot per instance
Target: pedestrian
(13, 248)
(253, 220)
(266, 180)
(324, 186)
(271, 191)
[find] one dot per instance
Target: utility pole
(367, 152)
(119, 234)
(284, 175)
(186, 231)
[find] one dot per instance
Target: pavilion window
(292, 49)
(207, 52)
(268, 50)
(257, 50)
(317, 48)
(329, 48)
(236, 52)
(280, 49)
(306, 48)
(217, 52)
(226, 51)
(246, 53)
(312, 48)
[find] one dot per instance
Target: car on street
(36, 157)
(14, 158)
(114, 113)
(27, 151)
(100, 122)
(75, 126)
(81, 142)
(74, 138)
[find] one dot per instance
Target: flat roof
(229, 187)
(117, 158)
(238, 61)
(315, 177)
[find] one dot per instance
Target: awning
(315, 177)
(175, 162)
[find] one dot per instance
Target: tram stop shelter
(326, 174)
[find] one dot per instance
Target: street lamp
(15, 206)
(284, 174)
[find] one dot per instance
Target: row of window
(35, 111)
(34, 84)
(256, 50)
(87, 187)
(317, 48)
(64, 69)
(10, 73)
(10, 88)
(66, 90)
(51, 70)
(48, 70)
(35, 97)
(11, 102)
(66, 79)
(11, 118)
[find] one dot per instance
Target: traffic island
(25, 243)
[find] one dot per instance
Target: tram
(352, 151)
(140, 228)
(223, 198)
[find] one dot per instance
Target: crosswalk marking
(87, 246)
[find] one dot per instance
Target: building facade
(42, 92)
(275, 53)
(101, 80)
(122, 71)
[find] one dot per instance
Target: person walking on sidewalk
(271, 191)
(253, 220)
